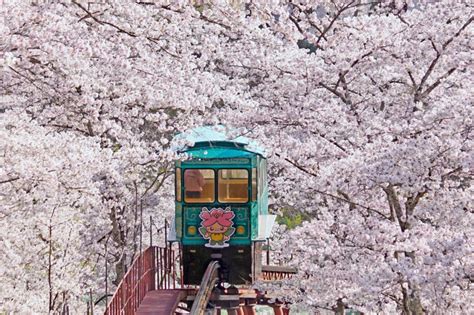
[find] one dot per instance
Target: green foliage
(116, 147)
(291, 219)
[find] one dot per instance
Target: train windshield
(199, 185)
(233, 185)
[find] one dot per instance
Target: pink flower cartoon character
(216, 226)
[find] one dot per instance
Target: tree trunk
(340, 308)
(411, 303)
(120, 269)
(118, 236)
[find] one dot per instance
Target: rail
(205, 289)
(154, 269)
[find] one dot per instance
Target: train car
(221, 203)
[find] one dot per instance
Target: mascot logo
(216, 226)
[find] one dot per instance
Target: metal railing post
(268, 252)
(151, 231)
(91, 301)
(106, 275)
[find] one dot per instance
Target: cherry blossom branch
(68, 127)
(436, 83)
(155, 181)
(457, 169)
(329, 26)
(301, 168)
(334, 91)
(345, 97)
(411, 203)
(298, 27)
(330, 141)
(322, 32)
(419, 95)
(121, 30)
(201, 16)
(89, 14)
(323, 36)
(412, 79)
(30, 80)
(469, 21)
(9, 180)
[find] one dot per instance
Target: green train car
(221, 205)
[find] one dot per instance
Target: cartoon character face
(216, 226)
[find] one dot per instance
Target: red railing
(154, 269)
(272, 273)
(165, 270)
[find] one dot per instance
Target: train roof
(216, 142)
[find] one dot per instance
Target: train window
(233, 185)
(254, 184)
(199, 185)
(178, 184)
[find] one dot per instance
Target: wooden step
(161, 302)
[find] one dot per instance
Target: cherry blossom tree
(365, 108)
(373, 133)
(51, 209)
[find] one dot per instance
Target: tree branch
(30, 80)
(395, 205)
(352, 203)
(329, 26)
(201, 17)
(330, 141)
(301, 168)
(334, 91)
(292, 19)
(411, 203)
(9, 180)
(412, 79)
(419, 95)
(121, 30)
(437, 82)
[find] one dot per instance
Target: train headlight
(192, 230)
(240, 230)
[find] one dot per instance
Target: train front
(221, 206)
